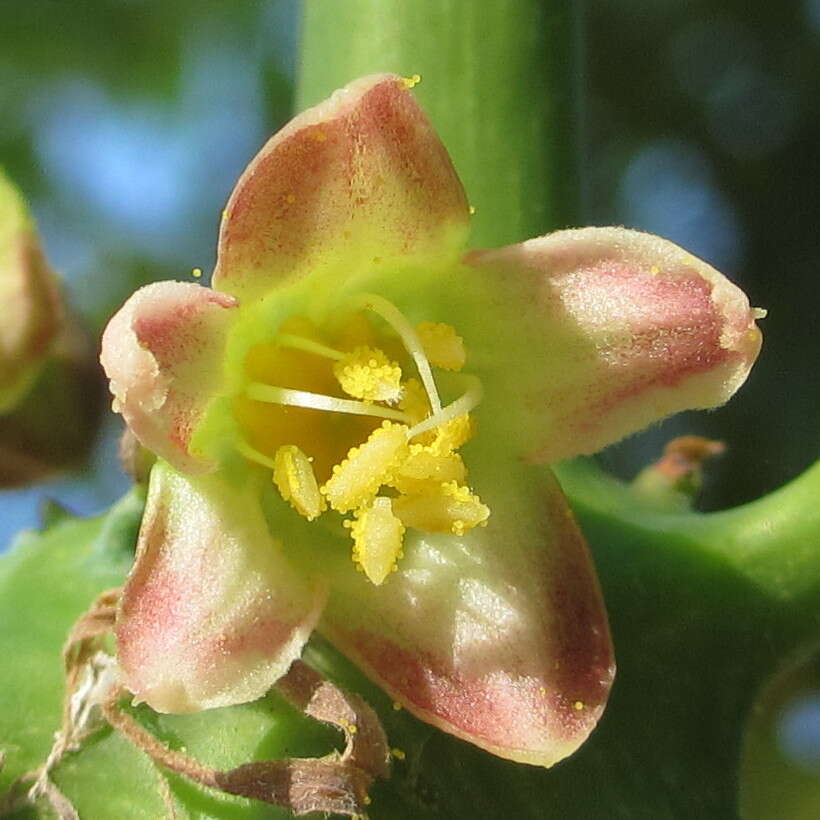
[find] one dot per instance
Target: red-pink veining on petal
(212, 613)
(674, 333)
(534, 694)
(163, 353)
(359, 180)
(631, 328)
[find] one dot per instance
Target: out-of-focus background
(126, 122)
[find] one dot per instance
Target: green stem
(498, 82)
(771, 542)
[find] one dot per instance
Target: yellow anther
(447, 508)
(472, 209)
(414, 400)
(357, 479)
(578, 705)
(377, 539)
(442, 345)
(452, 434)
(410, 82)
(654, 270)
(294, 478)
(366, 373)
(196, 273)
(399, 754)
(425, 470)
(396, 707)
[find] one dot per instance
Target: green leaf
(47, 580)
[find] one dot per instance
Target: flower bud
(49, 385)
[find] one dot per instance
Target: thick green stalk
(498, 82)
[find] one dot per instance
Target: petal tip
(152, 350)
(360, 175)
(644, 329)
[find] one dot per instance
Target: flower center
(350, 418)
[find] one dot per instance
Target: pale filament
(395, 318)
(308, 345)
(271, 394)
(254, 455)
(318, 401)
(463, 404)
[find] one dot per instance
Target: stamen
(377, 539)
(317, 401)
(254, 455)
(366, 373)
(414, 401)
(395, 318)
(425, 470)
(296, 482)
(447, 507)
(443, 346)
(358, 478)
(308, 345)
(461, 406)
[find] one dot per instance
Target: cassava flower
(356, 394)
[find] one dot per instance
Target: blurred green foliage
(731, 91)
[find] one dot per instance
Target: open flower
(349, 427)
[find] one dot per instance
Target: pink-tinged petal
(212, 613)
(631, 328)
(498, 636)
(30, 295)
(359, 182)
(163, 353)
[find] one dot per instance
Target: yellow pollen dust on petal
(377, 539)
(358, 478)
(410, 82)
(442, 345)
(448, 507)
(366, 373)
(295, 480)
(425, 470)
